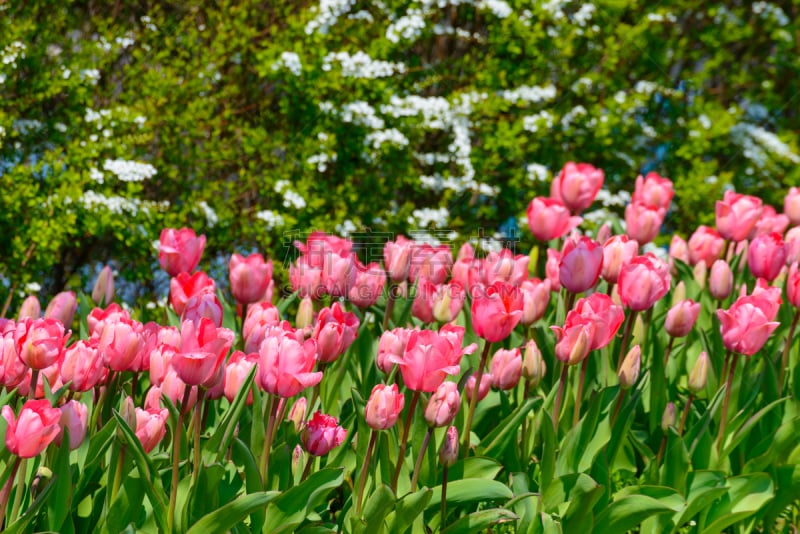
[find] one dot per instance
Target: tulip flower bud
(298, 460)
(103, 291)
(441, 306)
(700, 272)
(506, 368)
(699, 375)
(668, 419)
(483, 389)
(443, 405)
(384, 406)
(30, 308)
(297, 414)
(720, 283)
(448, 454)
(681, 318)
(533, 366)
(603, 233)
(321, 434)
(793, 285)
(74, 418)
(679, 293)
(128, 412)
(305, 313)
(629, 372)
(63, 307)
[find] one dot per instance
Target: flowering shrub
(659, 399)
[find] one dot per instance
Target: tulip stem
(444, 497)
(786, 348)
(5, 493)
(198, 407)
(560, 396)
(626, 337)
(362, 480)
(618, 404)
(406, 428)
(577, 413)
(307, 469)
(610, 289)
(420, 456)
(34, 380)
(118, 473)
(134, 386)
(685, 414)
(387, 314)
(723, 420)
(271, 409)
(473, 401)
(23, 469)
(667, 353)
(315, 392)
(176, 453)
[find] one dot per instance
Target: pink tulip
(368, 285)
(338, 274)
(306, 279)
(82, 366)
(334, 331)
(443, 405)
(239, 366)
(12, 370)
(203, 349)
(504, 266)
(30, 309)
(445, 300)
(643, 281)
(770, 221)
(430, 356)
(766, 256)
(603, 233)
(793, 245)
(397, 258)
(720, 281)
(791, 205)
(574, 340)
(746, 325)
(533, 365)
(737, 215)
(249, 277)
(62, 307)
(549, 218)
(535, 299)
(506, 368)
(653, 191)
(580, 265)
(448, 454)
(180, 250)
(577, 185)
(204, 305)
(384, 406)
(483, 389)
(285, 365)
(431, 262)
(151, 426)
(705, 245)
(769, 298)
(629, 370)
(793, 286)
(552, 269)
(496, 310)
(98, 317)
(321, 434)
(74, 418)
(679, 249)
(103, 290)
(681, 318)
(468, 272)
(601, 311)
(260, 317)
(319, 246)
(392, 345)
(39, 342)
(120, 343)
(643, 222)
(297, 415)
(35, 429)
(617, 251)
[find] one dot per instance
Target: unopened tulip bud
(384, 406)
(298, 460)
(720, 283)
(483, 389)
(441, 306)
(681, 318)
(75, 419)
(305, 313)
(629, 372)
(679, 293)
(128, 412)
(533, 366)
(506, 368)
(448, 454)
(297, 414)
(604, 233)
(443, 405)
(699, 375)
(30, 308)
(63, 307)
(668, 419)
(103, 291)
(700, 272)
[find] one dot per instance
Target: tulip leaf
(58, 507)
(475, 467)
(573, 496)
(284, 303)
(626, 513)
(21, 524)
(775, 446)
(471, 490)
(746, 495)
(242, 456)
(221, 439)
(408, 508)
(676, 462)
(95, 456)
(289, 510)
(506, 431)
(226, 517)
(745, 428)
(480, 521)
(704, 488)
(126, 505)
(378, 505)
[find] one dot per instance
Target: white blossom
(289, 61)
(129, 171)
(271, 218)
(360, 65)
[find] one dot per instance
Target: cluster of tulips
(63, 383)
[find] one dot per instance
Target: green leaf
(479, 521)
(746, 495)
(742, 432)
(379, 504)
(221, 439)
(284, 304)
(475, 467)
(58, 507)
(471, 490)
(408, 508)
(506, 431)
(573, 496)
(626, 513)
(242, 456)
(704, 488)
(21, 524)
(225, 518)
(95, 456)
(293, 506)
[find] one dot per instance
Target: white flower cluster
(271, 218)
(584, 15)
(93, 75)
(33, 287)
(291, 198)
(361, 113)
(661, 17)
(608, 200)
(768, 10)
(412, 23)
(129, 171)
(390, 135)
(360, 65)
(211, 216)
(12, 52)
(96, 175)
(427, 216)
(758, 144)
(408, 27)
(537, 172)
(526, 93)
(328, 13)
(289, 61)
(543, 119)
(491, 244)
(26, 126)
(118, 205)
(570, 116)
(346, 228)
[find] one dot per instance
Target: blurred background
(253, 122)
